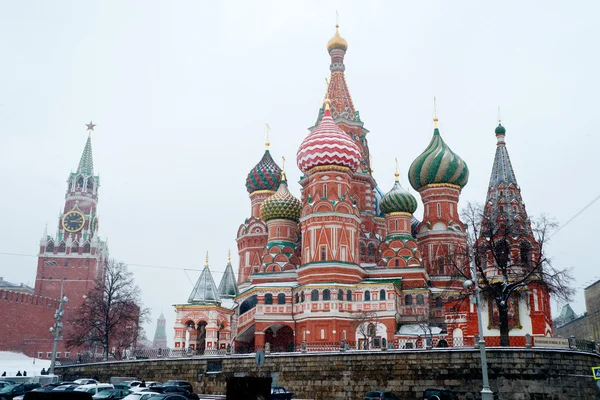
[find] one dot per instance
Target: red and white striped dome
(327, 144)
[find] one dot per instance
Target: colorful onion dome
(500, 130)
(327, 144)
(337, 42)
(266, 175)
(398, 200)
(438, 164)
(282, 205)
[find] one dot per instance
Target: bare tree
(111, 314)
(361, 320)
(509, 255)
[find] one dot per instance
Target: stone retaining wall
(515, 374)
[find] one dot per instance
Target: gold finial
(499, 119)
(228, 256)
(337, 19)
(397, 174)
(267, 144)
(435, 118)
(206, 264)
(283, 168)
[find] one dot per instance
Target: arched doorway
(457, 338)
(280, 338)
(201, 337)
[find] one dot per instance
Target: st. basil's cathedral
(348, 263)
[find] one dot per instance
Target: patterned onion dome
(282, 205)
(266, 175)
(337, 42)
(327, 144)
(438, 164)
(398, 200)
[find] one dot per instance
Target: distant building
(586, 326)
(160, 335)
(13, 287)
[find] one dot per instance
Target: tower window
(439, 210)
(382, 294)
(314, 295)
(281, 298)
(408, 300)
(420, 300)
(297, 298)
(302, 297)
(325, 191)
(396, 262)
(396, 221)
(349, 295)
(438, 302)
(323, 254)
(326, 294)
(440, 262)
(278, 231)
(66, 264)
(268, 298)
(367, 295)
(371, 250)
(340, 295)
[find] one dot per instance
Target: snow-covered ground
(11, 363)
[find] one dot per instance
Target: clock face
(73, 221)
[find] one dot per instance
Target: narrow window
(302, 297)
(420, 300)
(340, 295)
(408, 300)
(438, 302)
(278, 231)
(367, 296)
(314, 295)
(325, 191)
(297, 298)
(349, 295)
(440, 262)
(396, 221)
(397, 262)
(322, 333)
(382, 294)
(66, 264)
(322, 253)
(281, 298)
(268, 298)
(326, 294)
(439, 210)
(339, 191)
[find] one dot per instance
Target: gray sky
(181, 92)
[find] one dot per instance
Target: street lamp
(56, 330)
(486, 393)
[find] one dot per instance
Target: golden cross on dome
(206, 264)
(396, 174)
(267, 144)
(228, 256)
(499, 119)
(435, 118)
(283, 163)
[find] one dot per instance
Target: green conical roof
(86, 163)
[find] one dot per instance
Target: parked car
(145, 395)
(183, 384)
(11, 391)
(147, 385)
(280, 393)
(94, 388)
(439, 394)
(112, 394)
(57, 396)
(85, 381)
(381, 395)
(168, 397)
(179, 390)
(66, 388)
(6, 383)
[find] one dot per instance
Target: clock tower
(73, 258)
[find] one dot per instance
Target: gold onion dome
(438, 164)
(282, 205)
(337, 42)
(398, 200)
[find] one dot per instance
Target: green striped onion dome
(266, 175)
(398, 200)
(438, 164)
(500, 130)
(282, 205)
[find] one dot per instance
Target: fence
(413, 343)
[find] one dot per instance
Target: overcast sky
(180, 92)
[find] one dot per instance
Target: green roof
(86, 163)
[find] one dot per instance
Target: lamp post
(56, 330)
(486, 393)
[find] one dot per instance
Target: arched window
(302, 297)
(314, 295)
(80, 182)
(438, 302)
(268, 298)
(341, 295)
(371, 250)
(86, 248)
(281, 298)
(363, 249)
(408, 300)
(75, 248)
(90, 183)
(440, 263)
(297, 298)
(525, 253)
(322, 253)
(420, 300)
(382, 294)
(367, 295)
(326, 294)
(61, 247)
(396, 262)
(349, 295)
(248, 304)
(50, 247)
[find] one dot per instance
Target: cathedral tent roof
(86, 163)
(228, 286)
(205, 291)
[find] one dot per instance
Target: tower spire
(86, 163)
(206, 263)
(267, 143)
(397, 174)
(228, 256)
(435, 118)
